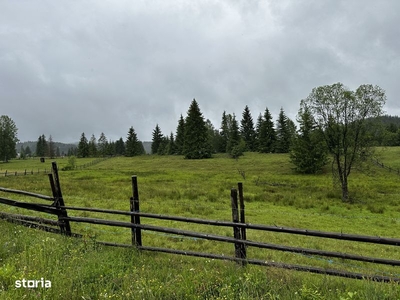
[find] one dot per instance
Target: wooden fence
(238, 225)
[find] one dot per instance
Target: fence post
(135, 219)
(242, 220)
(235, 219)
(59, 201)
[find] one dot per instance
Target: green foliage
(180, 136)
(8, 138)
(157, 140)
(132, 145)
(42, 146)
(197, 144)
(266, 133)
(342, 116)
(83, 146)
(71, 164)
(247, 130)
(308, 152)
(285, 131)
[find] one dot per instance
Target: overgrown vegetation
(201, 188)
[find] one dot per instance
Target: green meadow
(171, 185)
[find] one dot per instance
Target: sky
(89, 66)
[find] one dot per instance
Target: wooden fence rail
(238, 225)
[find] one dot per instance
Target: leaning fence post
(242, 220)
(235, 219)
(59, 201)
(135, 219)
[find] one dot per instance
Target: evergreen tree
(28, 151)
(180, 136)
(8, 138)
(93, 146)
(102, 144)
(83, 146)
(41, 146)
(233, 133)
(132, 143)
(309, 152)
(267, 135)
(157, 139)
(171, 147)
(213, 136)
(52, 148)
(120, 147)
(224, 133)
(247, 130)
(197, 144)
(284, 133)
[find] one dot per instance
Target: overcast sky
(68, 67)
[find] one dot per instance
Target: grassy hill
(274, 195)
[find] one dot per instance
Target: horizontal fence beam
(32, 206)
(316, 270)
(44, 197)
(330, 235)
(29, 218)
(233, 240)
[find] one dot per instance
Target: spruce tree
(83, 146)
(102, 144)
(224, 133)
(309, 151)
(52, 148)
(247, 130)
(284, 133)
(157, 139)
(92, 146)
(233, 133)
(41, 146)
(132, 147)
(120, 147)
(197, 144)
(180, 136)
(267, 135)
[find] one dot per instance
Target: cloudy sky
(68, 67)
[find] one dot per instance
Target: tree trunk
(345, 189)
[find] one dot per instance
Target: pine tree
(157, 139)
(171, 147)
(102, 144)
(197, 144)
(41, 146)
(120, 147)
(309, 152)
(131, 144)
(233, 133)
(247, 130)
(284, 133)
(93, 146)
(83, 146)
(224, 133)
(51, 149)
(267, 135)
(180, 136)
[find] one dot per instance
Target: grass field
(273, 194)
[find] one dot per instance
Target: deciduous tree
(8, 138)
(341, 114)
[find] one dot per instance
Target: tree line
(335, 124)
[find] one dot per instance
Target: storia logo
(33, 284)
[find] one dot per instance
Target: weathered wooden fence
(238, 226)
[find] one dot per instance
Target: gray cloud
(103, 66)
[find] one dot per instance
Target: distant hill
(147, 147)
